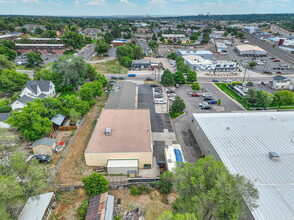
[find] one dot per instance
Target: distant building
(221, 47)
(141, 64)
(174, 36)
(119, 42)
(198, 63)
(281, 82)
(121, 135)
(101, 207)
(252, 29)
(7, 37)
(250, 50)
(217, 34)
(44, 146)
(41, 40)
(33, 27)
(3, 117)
(41, 48)
(92, 31)
(38, 207)
(205, 54)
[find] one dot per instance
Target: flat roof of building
(220, 45)
(243, 142)
(40, 38)
(122, 96)
(39, 45)
(130, 132)
(36, 207)
(246, 47)
(123, 163)
(195, 52)
(195, 59)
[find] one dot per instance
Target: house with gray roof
(44, 146)
(34, 89)
(3, 117)
(281, 82)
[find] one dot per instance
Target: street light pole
(245, 73)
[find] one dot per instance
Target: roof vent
(273, 118)
(108, 131)
(274, 155)
(228, 128)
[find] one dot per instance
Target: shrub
(139, 190)
(5, 109)
(95, 184)
(83, 209)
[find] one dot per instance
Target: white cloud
(124, 1)
(31, 1)
(179, 0)
(7, 1)
(158, 2)
(94, 2)
(55, 2)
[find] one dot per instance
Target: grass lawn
(67, 93)
(111, 66)
(174, 115)
(232, 94)
(283, 107)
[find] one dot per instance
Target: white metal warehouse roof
(243, 142)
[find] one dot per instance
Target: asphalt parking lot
(159, 121)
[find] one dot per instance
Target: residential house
(281, 82)
(3, 117)
(32, 90)
(44, 146)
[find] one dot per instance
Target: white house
(32, 90)
(3, 117)
(281, 82)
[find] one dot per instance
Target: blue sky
(143, 7)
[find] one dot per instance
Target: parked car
(206, 107)
(132, 75)
(212, 102)
(272, 58)
(149, 79)
(202, 104)
(269, 72)
(113, 77)
(206, 94)
(208, 98)
(159, 101)
(158, 96)
(172, 98)
(227, 80)
(169, 91)
(154, 85)
(276, 61)
(215, 80)
(121, 78)
(195, 95)
(171, 95)
(279, 72)
(42, 158)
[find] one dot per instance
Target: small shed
(100, 207)
(44, 146)
(58, 120)
(38, 207)
(122, 166)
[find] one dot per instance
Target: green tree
(195, 86)
(154, 38)
(74, 40)
(95, 184)
(25, 40)
(34, 59)
(74, 116)
(5, 63)
(178, 105)
(90, 90)
(91, 72)
(102, 79)
(125, 50)
(169, 215)
(53, 106)
(10, 54)
(172, 55)
(209, 191)
(191, 76)
(49, 34)
(71, 71)
(153, 44)
(283, 97)
(71, 101)
(166, 182)
(115, 32)
(219, 102)
(126, 61)
(7, 43)
(252, 64)
(31, 121)
(167, 78)
(101, 46)
(258, 98)
(179, 77)
(108, 38)
(38, 31)
(11, 81)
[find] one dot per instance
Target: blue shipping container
(179, 157)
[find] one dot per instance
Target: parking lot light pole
(245, 73)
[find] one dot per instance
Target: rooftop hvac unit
(108, 131)
(274, 155)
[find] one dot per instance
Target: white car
(206, 94)
(227, 80)
(202, 104)
(172, 98)
(159, 101)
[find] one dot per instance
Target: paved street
(87, 52)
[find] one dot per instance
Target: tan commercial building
(250, 50)
(121, 135)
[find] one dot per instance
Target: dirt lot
(151, 205)
(68, 204)
(73, 166)
(111, 66)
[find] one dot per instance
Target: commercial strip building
(198, 63)
(221, 47)
(248, 144)
(252, 29)
(42, 48)
(121, 134)
(250, 50)
(41, 40)
(205, 54)
(173, 36)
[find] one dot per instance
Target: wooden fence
(67, 128)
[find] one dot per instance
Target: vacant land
(73, 166)
(151, 205)
(111, 66)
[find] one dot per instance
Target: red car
(195, 95)
(276, 60)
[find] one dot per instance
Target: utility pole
(244, 73)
